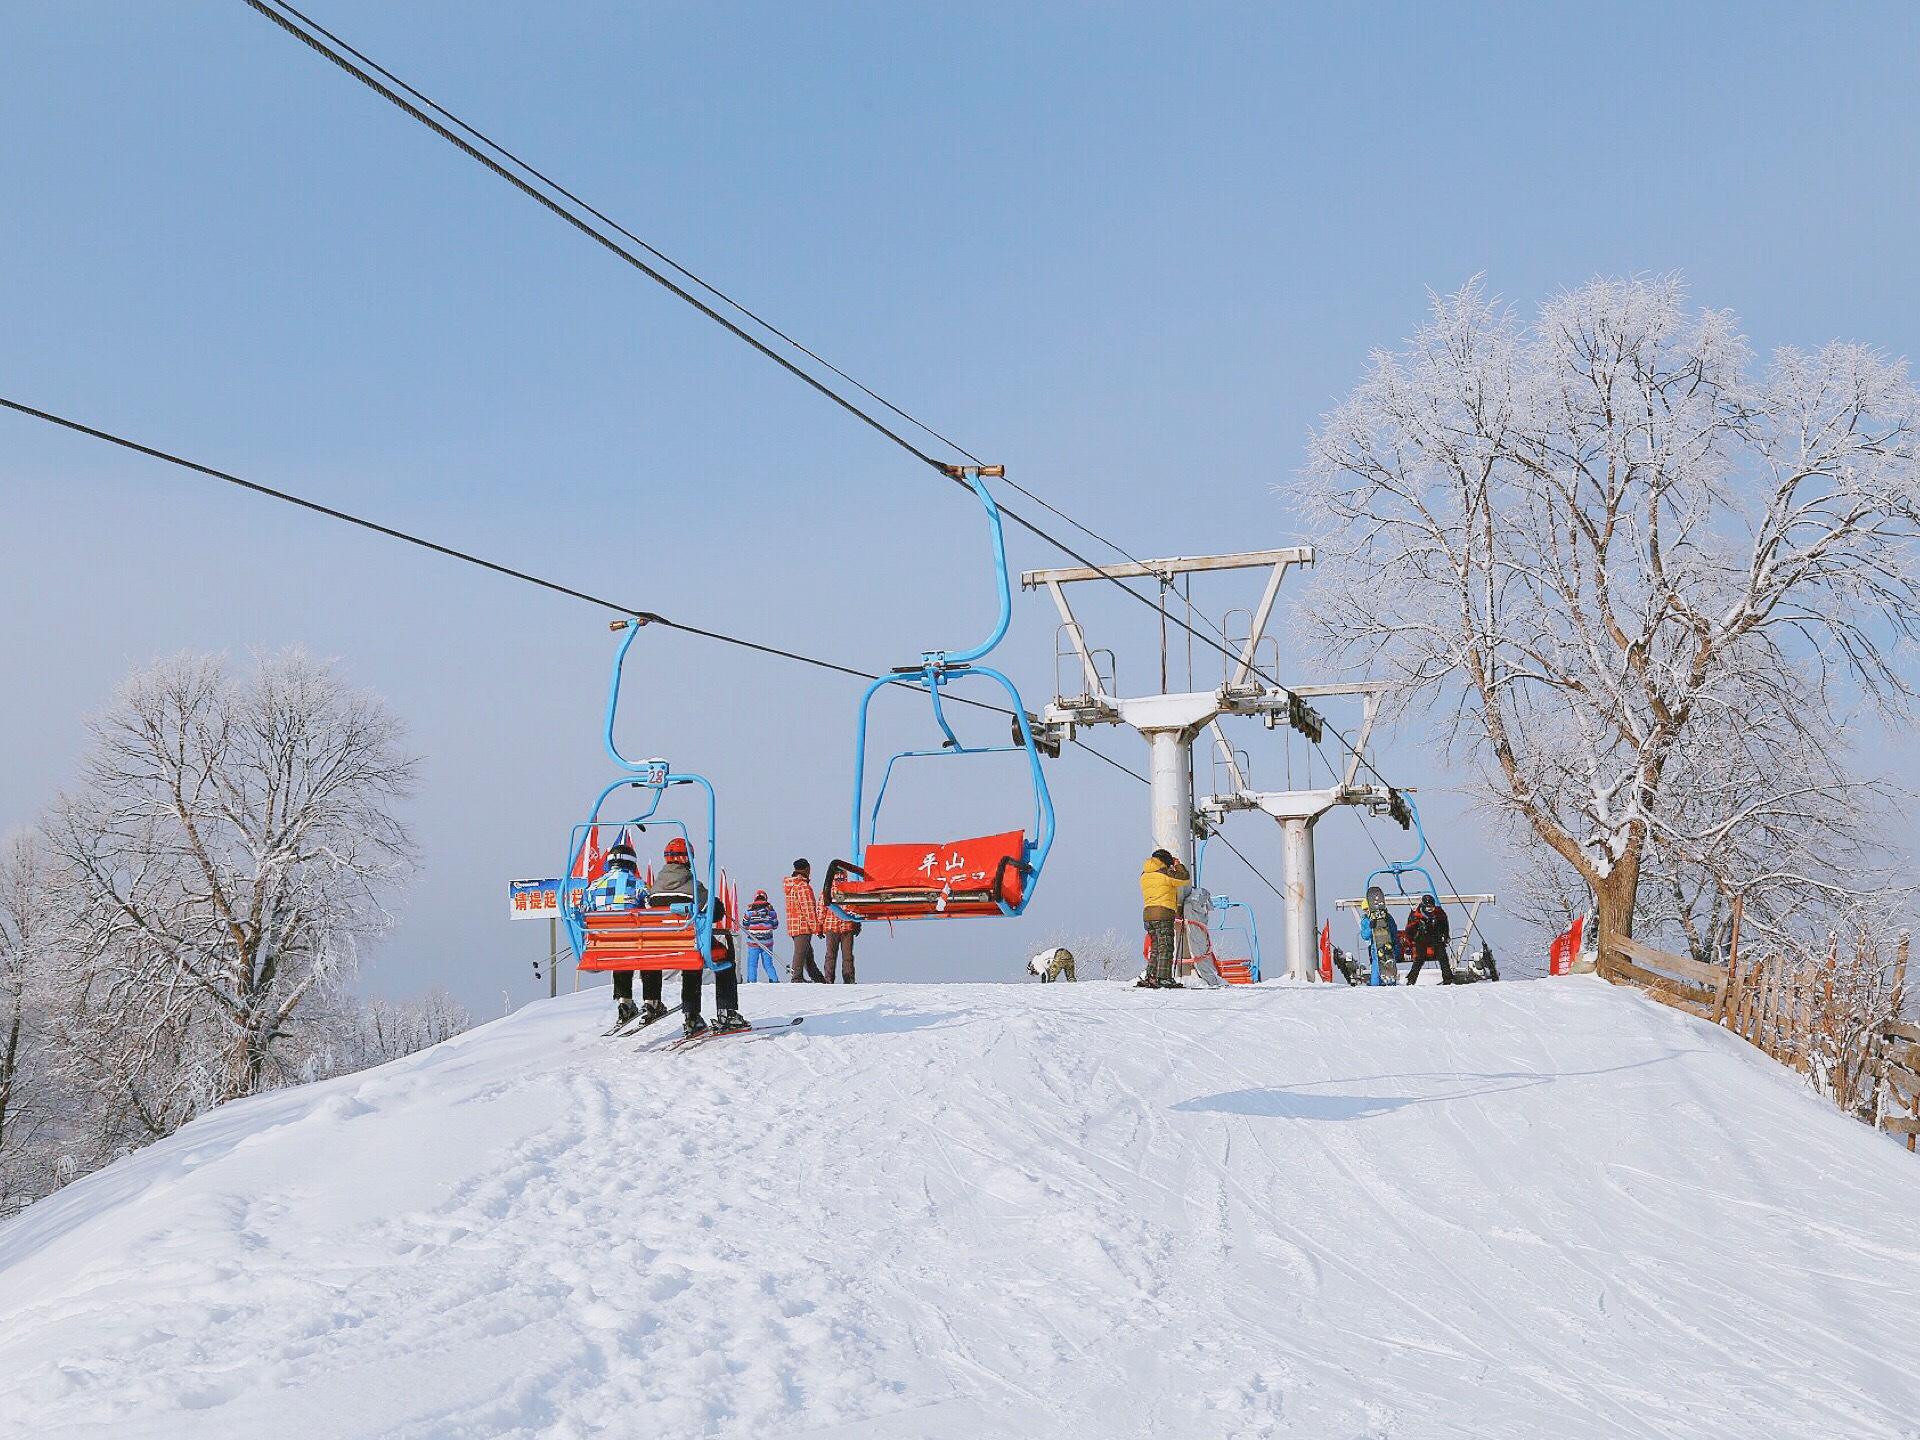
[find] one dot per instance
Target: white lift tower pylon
(1298, 811)
(1171, 721)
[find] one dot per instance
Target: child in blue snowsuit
(760, 924)
(1381, 936)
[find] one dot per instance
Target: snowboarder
(1381, 936)
(1427, 934)
(1051, 965)
(675, 885)
(1162, 878)
(619, 888)
(803, 921)
(760, 924)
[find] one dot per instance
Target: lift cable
(329, 47)
(645, 617)
(323, 44)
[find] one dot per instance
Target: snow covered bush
(1648, 582)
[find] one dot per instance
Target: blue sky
(1130, 251)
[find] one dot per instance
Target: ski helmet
(621, 857)
(677, 849)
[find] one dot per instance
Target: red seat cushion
(953, 878)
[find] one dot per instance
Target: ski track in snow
(1527, 1209)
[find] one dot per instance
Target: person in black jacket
(1425, 937)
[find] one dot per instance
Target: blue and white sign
(533, 899)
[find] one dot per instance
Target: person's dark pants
(803, 964)
(726, 988)
(1440, 954)
(840, 947)
(1160, 949)
(623, 985)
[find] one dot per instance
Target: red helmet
(677, 849)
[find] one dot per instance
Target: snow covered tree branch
(1645, 583)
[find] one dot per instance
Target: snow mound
(1547, 1209)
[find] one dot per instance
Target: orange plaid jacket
(803, 907)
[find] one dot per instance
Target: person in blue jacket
(619, 888)
(1380, 935)
(761, 923)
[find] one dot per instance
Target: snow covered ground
(1530, 1209)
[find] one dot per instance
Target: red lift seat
(1234, 972)
(983, 876)
(640, 940)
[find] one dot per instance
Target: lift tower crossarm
(1166, 569)
(1169, 721)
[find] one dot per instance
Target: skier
(1051, 965)
(675, 885)
(803, 921)
(1162, 878)
(1380, 935)
(619, 888)
(760, 924)
(1426, 937)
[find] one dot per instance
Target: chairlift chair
(671, 932)
(977, 876)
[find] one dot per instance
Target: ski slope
(1530, 1209)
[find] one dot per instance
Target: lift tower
(1170, 721)
(1297, 811)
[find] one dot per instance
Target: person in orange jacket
(803, 922)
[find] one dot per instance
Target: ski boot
(692, 1025)
(627, 1014)
(650, 1012)
(728, 1021)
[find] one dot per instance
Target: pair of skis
(764, 1027)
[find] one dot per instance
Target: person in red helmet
(675, 885)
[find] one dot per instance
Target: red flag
(590, 864)
(1326, 950)
(1566, 947)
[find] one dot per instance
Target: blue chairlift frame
(1399, 870)
(1226, 906)
(936, 670)
(656, 777)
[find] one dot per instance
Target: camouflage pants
(1160, 949)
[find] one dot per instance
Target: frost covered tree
(232, 843)
(1646, 579)
(24, 1113)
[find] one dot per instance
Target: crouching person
(1052, 965)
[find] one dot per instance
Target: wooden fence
(1837, 1022)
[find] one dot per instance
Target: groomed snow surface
(1530, 1209)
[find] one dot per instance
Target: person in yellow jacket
(1162, 881)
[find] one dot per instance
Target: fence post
(1731, 979)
